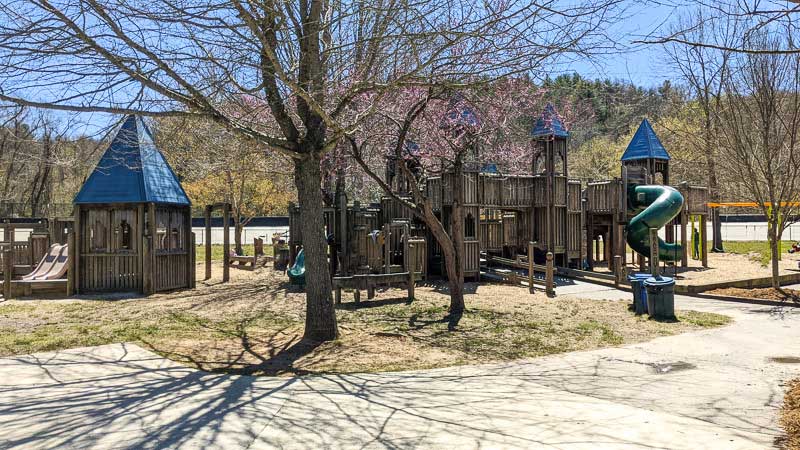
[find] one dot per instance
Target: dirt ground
(253, 325)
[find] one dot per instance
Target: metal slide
(656, 206)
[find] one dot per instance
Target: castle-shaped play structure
(514, 223)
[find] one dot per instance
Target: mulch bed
(790, 415)
(780, 295)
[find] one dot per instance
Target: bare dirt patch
(253, 325)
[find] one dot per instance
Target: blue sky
(638, 64)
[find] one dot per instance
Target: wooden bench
(369, 282)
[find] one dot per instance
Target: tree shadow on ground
(372, 303)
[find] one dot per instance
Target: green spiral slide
(656, 206)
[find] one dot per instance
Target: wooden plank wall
(170, 271)
(603, 196)
(110, 272)
(472, 257)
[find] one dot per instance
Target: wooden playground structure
(130, 232)
(131, 229)
(515, 225)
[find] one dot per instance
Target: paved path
(710, 389)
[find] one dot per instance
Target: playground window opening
(170, 234)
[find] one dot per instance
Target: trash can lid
(660, 281)
(638, 276)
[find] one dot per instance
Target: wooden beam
(226, 243)
(207, 243)
(71, 263)
(76, 251)
(531, 271)
(8, 272)
(549, 276)
(684, 240)
(654, 252)
(703, 240)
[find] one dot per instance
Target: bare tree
(704, 71)
(760, 127)
(754, 17)
(286, 74)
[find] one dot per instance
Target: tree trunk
(451, 260)
(456, 280)
(774, 240)
(237, 235)
(320, 314)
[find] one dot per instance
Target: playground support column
(226, 243)
(411, 275)
(684, 240)
(530, 265)
(8, 271)
(549, 289)
(703, 241)
(71, 263)
(75, 250)
(654, 252)
(207, 242)
(617, 271)
(192, 260)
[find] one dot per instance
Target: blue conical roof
(549, 124)
(132, 170)
(645, 145)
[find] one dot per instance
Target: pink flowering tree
(429, 132)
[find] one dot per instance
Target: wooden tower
(132, 228)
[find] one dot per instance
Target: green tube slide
(656, 206)
(297, 273)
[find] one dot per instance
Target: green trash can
(660, 297)
(639, 294)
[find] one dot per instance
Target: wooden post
(684, 241)
(387, 236)
(549, 276)
(338, 298)
(411, 269)
(8, 272)
(207, 243)
(357, 296)
(71, 263)
(530, 266)
(618, 271)
(654, 252)
(703, 241)
(75, 251)
(226, 243)
(192, 261)
(150, 255)
(147, 257)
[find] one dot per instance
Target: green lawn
(216, 251)
(759, 249)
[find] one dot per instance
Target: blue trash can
(639, 292)
(660, 297)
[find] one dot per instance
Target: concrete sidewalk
(711, 389)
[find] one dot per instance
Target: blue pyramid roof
(645, 145)
(549, 124)
(132, 170)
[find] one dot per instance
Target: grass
(790, 415)
(757, 250)
(216, 251)
(253, 325)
